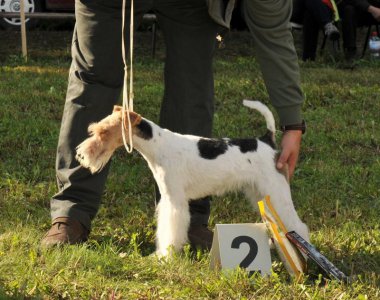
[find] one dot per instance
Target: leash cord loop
(127, 106)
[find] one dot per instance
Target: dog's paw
(162, 258)
(166, 253)
(162, 255)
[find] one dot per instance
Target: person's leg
(364, 18)
(298, 11)
(310, 36)
(190, 37)
(349, 25)
(320, 11)
(269, 24)
(188, 103)
(95, 81)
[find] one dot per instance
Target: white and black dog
(191, 167)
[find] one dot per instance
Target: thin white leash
(127, 97)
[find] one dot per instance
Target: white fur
(182, 174)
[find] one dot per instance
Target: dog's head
(105, 138)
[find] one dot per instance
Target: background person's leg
(349, 25)
(324, 16)
(320, 11)
(298, 11)
(309, 37)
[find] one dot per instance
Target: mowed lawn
(336, 187)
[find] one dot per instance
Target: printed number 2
(253, 249)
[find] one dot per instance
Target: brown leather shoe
(65, 231)
(200, 237)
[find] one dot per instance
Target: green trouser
(95, 82)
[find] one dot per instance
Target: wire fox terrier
(191, 167)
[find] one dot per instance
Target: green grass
(336, 188)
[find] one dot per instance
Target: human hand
(375, 12)
(290, 145)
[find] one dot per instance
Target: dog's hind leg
(173, 219)
(279, 191)
(282, 202)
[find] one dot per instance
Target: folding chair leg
(154, 38)
(366, 40)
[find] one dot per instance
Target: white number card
(241, 245)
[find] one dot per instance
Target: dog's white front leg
(173, 219)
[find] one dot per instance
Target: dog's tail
(264, 110)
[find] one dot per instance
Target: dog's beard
(93, 155)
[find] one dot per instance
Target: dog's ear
(134, 117)
(117, 108)
(92, 128)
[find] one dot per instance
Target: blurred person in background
(354, 14)
(313, 16)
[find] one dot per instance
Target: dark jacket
(362, 4)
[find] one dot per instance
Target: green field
(336, 187)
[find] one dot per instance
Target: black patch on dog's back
(245, 145)
(145, 130)
(211, 148)
(267, 139)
